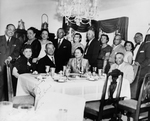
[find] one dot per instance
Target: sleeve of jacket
(16, 52)
(146, 62)
(68, 53)
(36, 48)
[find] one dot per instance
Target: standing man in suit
(63, 50)
(48, 59)
(142, 57)
(92, 48)
(117, 47)
(9, 51)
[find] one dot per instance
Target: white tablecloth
(89, 90)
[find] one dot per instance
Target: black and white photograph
(74, 60)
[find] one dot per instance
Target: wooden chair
(17, 100)
(134, 84)
(106, 108)
(136, 108)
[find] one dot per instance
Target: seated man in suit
(48, 59)
(124, 67)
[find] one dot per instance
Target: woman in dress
(78, 64)
(23, 64)
(34, 42)
(104, 53)
(76, 42)
(129, 47)
(44, 40)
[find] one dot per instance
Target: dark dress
(36, 48)
(101, 56)
(22, 67)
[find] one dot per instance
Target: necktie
(59, 42)
(8, 41)
(53, 59)
(86, 48)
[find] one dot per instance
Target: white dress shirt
(136, 51)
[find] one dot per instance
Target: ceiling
(111, 4)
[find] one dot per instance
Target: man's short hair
(49, 44)
(10, 25)
(139, 34)
(119, 53)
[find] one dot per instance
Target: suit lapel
(140, 48)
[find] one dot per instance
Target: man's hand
(7, 61)
(136, 63)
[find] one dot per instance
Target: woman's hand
(35, 60)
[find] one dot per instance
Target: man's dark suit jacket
(13, 49)
(62, 54)
(143, 58)
(45, 61)
(93, 52)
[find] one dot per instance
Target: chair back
(144, 97)
(115, 78)
(134, 84)
(9, 83)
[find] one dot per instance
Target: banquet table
(89, 90)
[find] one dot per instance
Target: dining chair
(136, 108)
(17, 100)
(134, 84)
(106, 107)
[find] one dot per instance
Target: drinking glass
(47, 68)
(64, 70)
(52, 71)
(94, 71)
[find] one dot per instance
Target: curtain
(107, 26)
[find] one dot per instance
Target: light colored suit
(127, 70)
(117, 49)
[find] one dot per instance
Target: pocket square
(142, 51)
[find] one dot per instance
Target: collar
(50, 56)
(7, 38)
(90, 41)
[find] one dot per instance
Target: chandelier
(77, 11)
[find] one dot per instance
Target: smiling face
(104, 39)
(30, 34)
(50, 49)
(117, 40)
(10, 30)
(78, 53)
(119, 59)
(138, 38)
(60, 33)
(27, 53)
(44, 35)
(128, 47)
(77, 38)
(90, 35)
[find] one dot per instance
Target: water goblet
(47, 68)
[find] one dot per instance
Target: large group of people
(34, 54)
